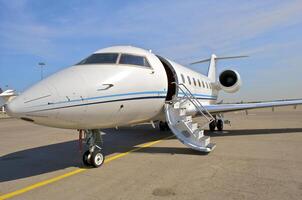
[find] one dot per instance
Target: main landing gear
(94, 156)
(218, 123)
(163, 126)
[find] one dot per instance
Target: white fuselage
(108, 95)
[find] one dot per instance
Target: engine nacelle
(229, 81)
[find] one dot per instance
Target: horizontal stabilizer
(217, 58)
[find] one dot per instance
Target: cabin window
(194, 81)
(203, 85)
(183, 78)
(133, 60)
(189, 80)
(199, 83)
(207, 85)
(100, 58)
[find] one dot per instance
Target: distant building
(2, 108)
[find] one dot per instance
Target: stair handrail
(195, 101)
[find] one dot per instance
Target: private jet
(127, 86)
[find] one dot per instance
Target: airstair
(180, 121)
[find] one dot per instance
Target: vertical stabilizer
(213, 62)
(212, 68)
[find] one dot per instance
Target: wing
(220, 108)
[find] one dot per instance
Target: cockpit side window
(100, 58)
(183, 78)
(133, 60)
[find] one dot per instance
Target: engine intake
(229, 81)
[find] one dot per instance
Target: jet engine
(229, 81)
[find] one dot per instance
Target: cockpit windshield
(133, 60)
(100, 58)
(116, 58)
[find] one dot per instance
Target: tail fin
(212, 67)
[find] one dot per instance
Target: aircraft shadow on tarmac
(252, 132)
(45, 159)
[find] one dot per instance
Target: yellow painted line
(136, 149)
(77, 171)
(40, 184)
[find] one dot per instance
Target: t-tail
(213, 62)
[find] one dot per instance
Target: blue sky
(60, 33)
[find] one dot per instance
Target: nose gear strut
(94, 156)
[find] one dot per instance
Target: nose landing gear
(93, 156)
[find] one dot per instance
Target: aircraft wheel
(97, 158)
(212, 126)
(220, 125)
(167, 126)
(162, 126)
(86, 158)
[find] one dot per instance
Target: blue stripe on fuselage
(157, 93)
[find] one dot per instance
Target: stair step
(188, 132)
(180, 125)
(211, 146)
(176, 105)
(188, 118)
(198, 133)
(193, 126)
(182, 111)
(205, 141)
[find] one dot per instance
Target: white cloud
(172, 27)
(181, 30)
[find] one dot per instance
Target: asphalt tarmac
(258, 157)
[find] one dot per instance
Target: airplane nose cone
(28, 102)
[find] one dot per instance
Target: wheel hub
(99, 159)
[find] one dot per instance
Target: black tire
(162, 126)
(212, 126)
(97, 158)
(86, 160)
(220, 125)
(167, 128)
